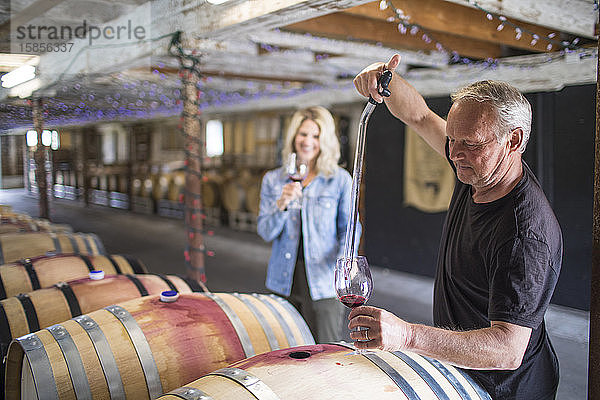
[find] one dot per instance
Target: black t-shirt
(500, 261)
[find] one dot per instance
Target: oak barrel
(143, 348)
(32, 226)
(14, 226)
(14, 246)
(233, 194)
(329, 372)
(160, 187)
(176, 186)
(24, 223)
(47, 226)
(210, 188)
(252, 200)
(41, 272)
(30, 312)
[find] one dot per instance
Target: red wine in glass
(352, 300)
(353, 282)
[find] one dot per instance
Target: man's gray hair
(514, 111)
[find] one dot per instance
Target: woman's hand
(291, 191)
(385, 330)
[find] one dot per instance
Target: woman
(307, 240)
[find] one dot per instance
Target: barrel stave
(68, 244)
(60, 371)
(15, 280)
(297, 337)
(258, 337)
(125, 265)
(71, 267)
(124, 353)
(50, 307)
(17, 320)
(155, 285)
(274, 323)
(180, 284)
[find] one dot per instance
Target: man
(501, 247)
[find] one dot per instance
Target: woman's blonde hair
(327, 159)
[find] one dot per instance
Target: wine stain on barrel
(193, 326)
(285, 356)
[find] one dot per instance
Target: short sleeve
(522, 280)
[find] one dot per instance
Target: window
(31, 138)
(214, 138)
(109, 148)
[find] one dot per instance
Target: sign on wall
(428, 178)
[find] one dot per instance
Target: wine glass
(297, 172)
(353, 283)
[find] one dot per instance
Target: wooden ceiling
(462, 29)
(305, 46)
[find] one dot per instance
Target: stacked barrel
(78, 323)
(49, 274)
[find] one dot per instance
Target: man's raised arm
(405, 103)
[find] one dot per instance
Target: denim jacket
(325, 213)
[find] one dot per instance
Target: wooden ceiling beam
(574, 16)
(247, 16)
(220, 73)
(344, 48)
(442, 16)
(351, 27)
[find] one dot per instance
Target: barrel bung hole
(299, 355)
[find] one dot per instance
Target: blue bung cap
(169, 296)
(96, 274)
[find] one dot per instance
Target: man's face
(478, 157)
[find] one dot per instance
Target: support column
(40, 156)
(594, 350)
(194, 151)
(85, 170)
(1, 171)
(131, 162)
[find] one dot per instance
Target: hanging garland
(404, 27)
(194, 151)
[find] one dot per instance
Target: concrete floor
(240, 263)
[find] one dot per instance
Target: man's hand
(500, 346)
(366, 81)
(385, 330)
(291, 191)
